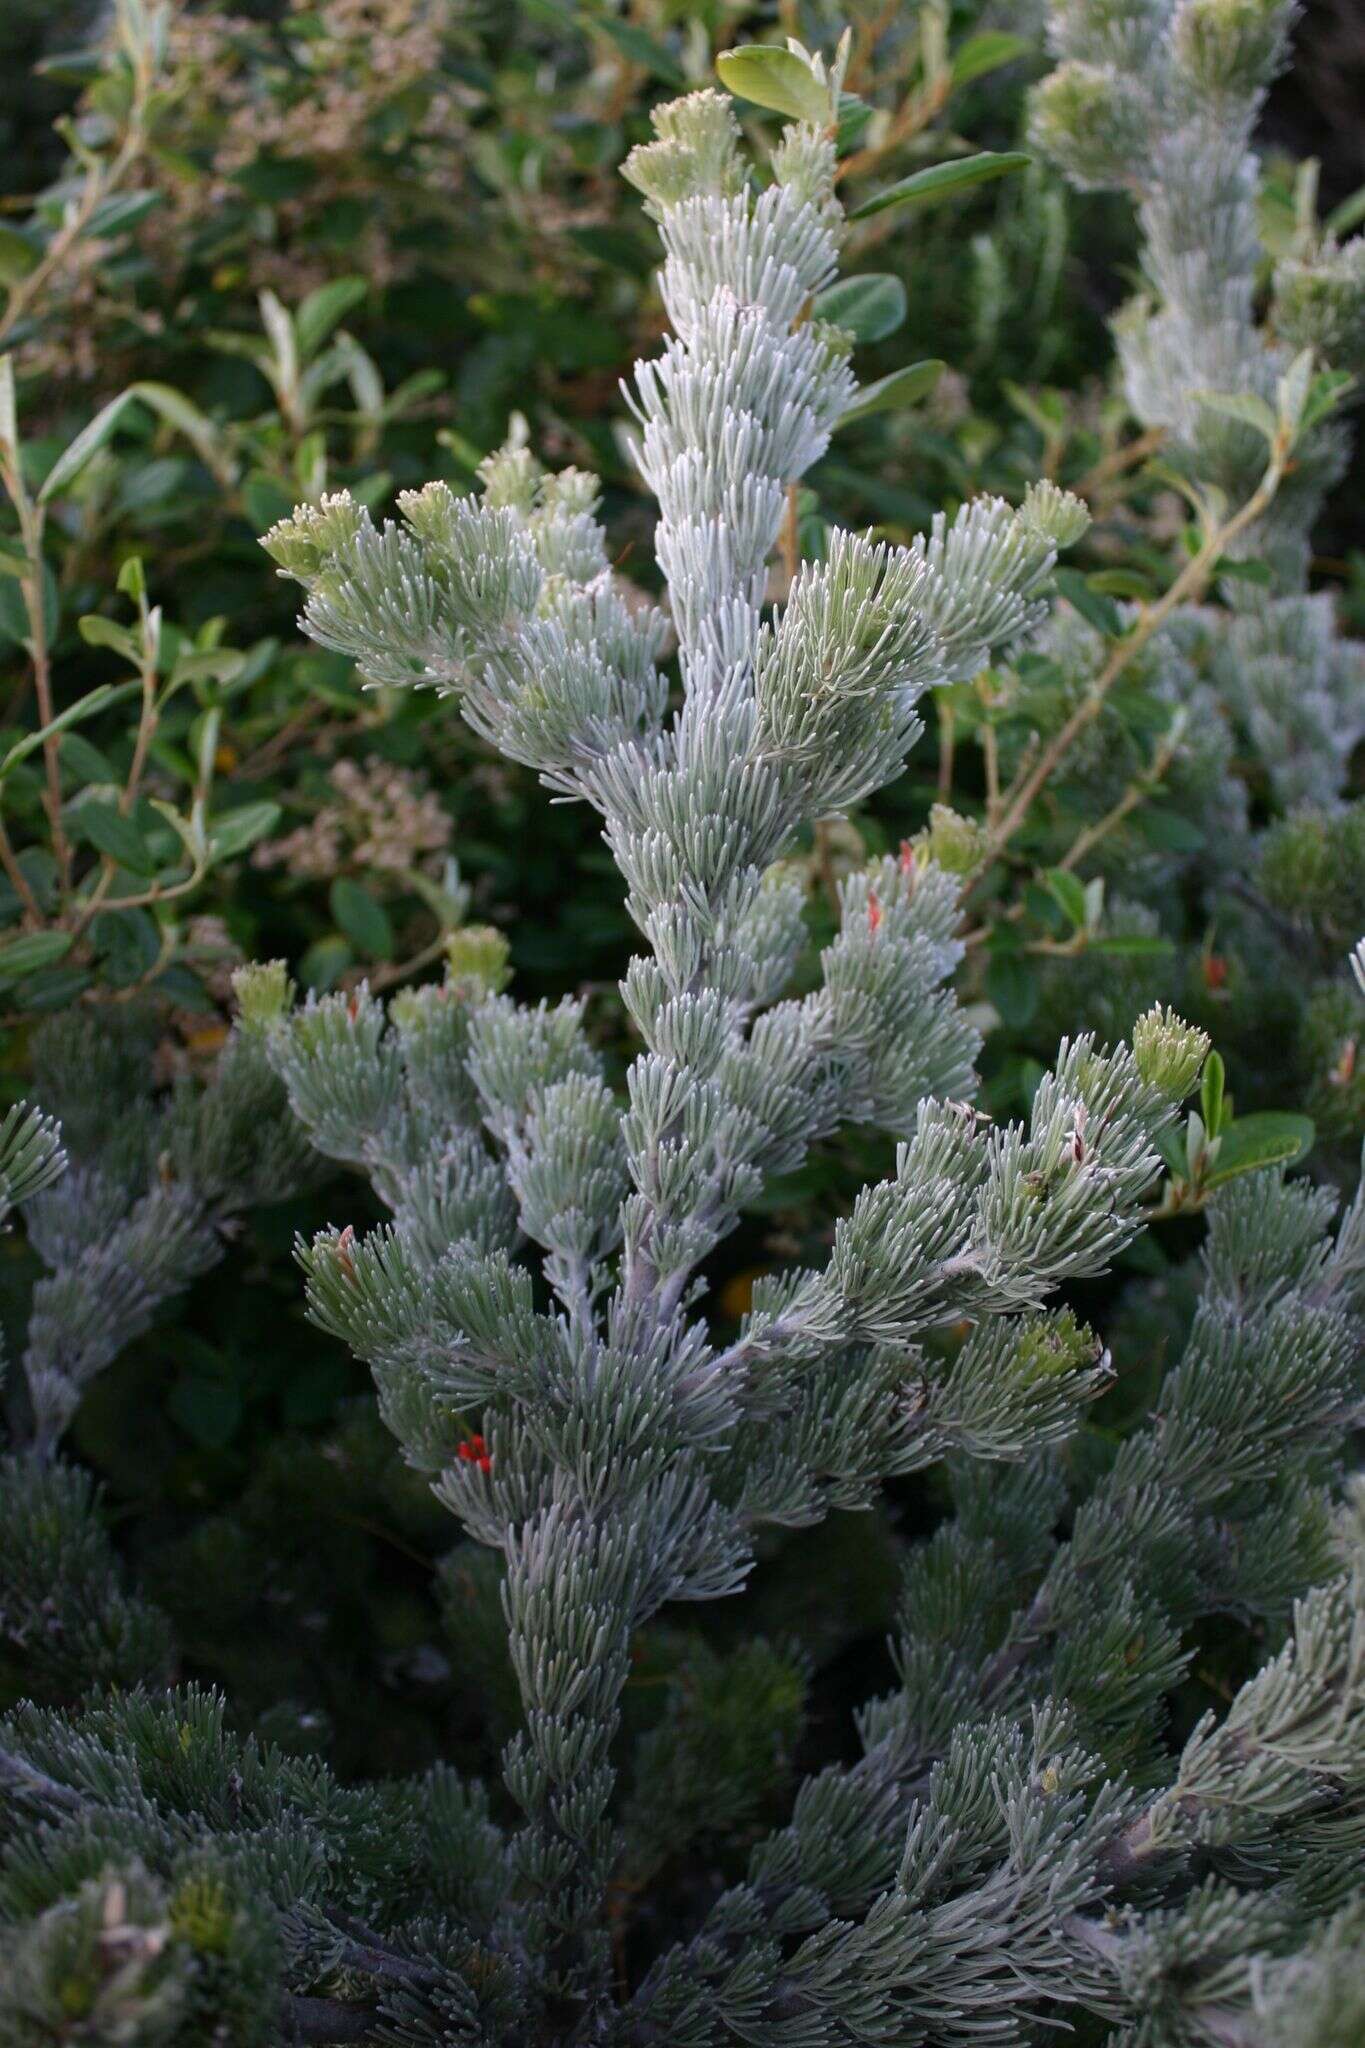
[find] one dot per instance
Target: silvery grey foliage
(1016, 1842)
(126, 1195)
(138, 1208)
(1159, 99)
(584, 1422)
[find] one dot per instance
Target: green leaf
(85, 707)
(111, 833)
(1270, 1137)
(939, 181)
(1243, 406)
(1325, 394)
(26, 955)
(870, 308)
(775, 78)
(324, 963)
(1249, 571)
(233, 831)
(87, 443)
(207, 665)
(362, 917)
(1012, 985)
(986, 52)
(1130, 583)
(85, 762)
(71, 67)
(320, 312)
(1166, 829)
(208, 1407)
(1070, 894)
(638, 46)
(1347, 215)
(1211, 1094)
(97, 631)
(265, 502)
(1132, 946)
(854, 116)
(17, 255)
(1170, 1144)
(120, 212)
(902, 387)
(179, 412)
(1094, 607)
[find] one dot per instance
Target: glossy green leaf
(902, 387)
(987, 52)
(941, 181)
(87, 444)
(97, 631)
(853, 119)
(869, 308)
(1070, 895)
(1211, 1094)
(319, 313)
(1269, 1137)
(182, 414)
(774, 78)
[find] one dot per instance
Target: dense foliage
(685, 1329)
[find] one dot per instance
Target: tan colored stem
(1189, 585)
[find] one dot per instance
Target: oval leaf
(33, 951)
(1095, 607)
(1012, 985)
(362, 917)
(17, 255)
(179, 412)
(1070, 895)
(869, 308)
(902, 387)
(319, 313)
(939, 181)
(774, 78)
(234, 831)
(115, 836)
(87, 443)
(1271, 1137)
(987, 52)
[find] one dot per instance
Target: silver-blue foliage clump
(1159, 99)
(1016, 1839)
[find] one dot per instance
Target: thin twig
(1188, 585)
